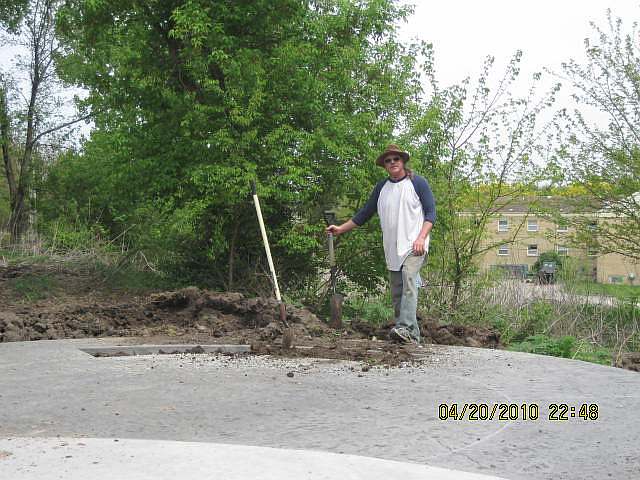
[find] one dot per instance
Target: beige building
(615, 268)
(516, 236)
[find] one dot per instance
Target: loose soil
(79, 308)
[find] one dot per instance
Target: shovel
(336, 299)
(287, 337)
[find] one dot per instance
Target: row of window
(532, 250)
(532, 226)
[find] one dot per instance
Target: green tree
(490, 144)
(197, 99)
(12, 12)
(604, 156)
(24, 124)
(551, 256)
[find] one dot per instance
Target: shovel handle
(332, 254)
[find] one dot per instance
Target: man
(405, 204)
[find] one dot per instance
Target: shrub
(545, 345)
(548, 257)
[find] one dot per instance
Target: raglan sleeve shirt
(423, 190)
(425, 195)
(403, 206)
(371, 207)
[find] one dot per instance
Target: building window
(532, 251)
(562, 250)
(616, 279)
(563, 227)
(503, 225)
(532, 225)
(503, 250)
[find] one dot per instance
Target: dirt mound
(465, 335)
(190, 310)
(198, 316)
(630, 361)
(433, 332)
(214, 314)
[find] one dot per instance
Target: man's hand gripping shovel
(336, 299)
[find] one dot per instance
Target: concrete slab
(98, 459)
(124, 350)
(51, 388)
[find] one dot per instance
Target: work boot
(402, 335)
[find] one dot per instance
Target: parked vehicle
(547, 273)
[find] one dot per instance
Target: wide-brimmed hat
(392, 150)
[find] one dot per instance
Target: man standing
(407, 211)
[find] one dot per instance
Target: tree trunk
(18, 221)
(39, 27)
(16, 197)
(457, 286)
(456, 293)
(5, 139)
(232, 253)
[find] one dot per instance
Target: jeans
(404, 292)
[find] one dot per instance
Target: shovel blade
(336, 311)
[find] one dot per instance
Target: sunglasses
(389, 160)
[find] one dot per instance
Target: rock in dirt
(39, 327)
(11, 336)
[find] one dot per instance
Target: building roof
(545, 204)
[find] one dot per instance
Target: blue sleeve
(371, 207)
(426, 198)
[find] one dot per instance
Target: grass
(559, 320)
(545, 345)
(565, 347)
(31, 288)
(621, 292)
(568, 326)
(129, 278)
(44, 275)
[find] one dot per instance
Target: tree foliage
(605, 160)
(196, 99)
(12, 12)
(35, 112)
(489, 142)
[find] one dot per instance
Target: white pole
(266, 246)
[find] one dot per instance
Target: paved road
(517, 292)
(51, 388)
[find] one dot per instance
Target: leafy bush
(535, 318)
(374, 310)
(545, 345)
(180, 136)
(62, 235)
(548, 257)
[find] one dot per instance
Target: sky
(464, 32)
